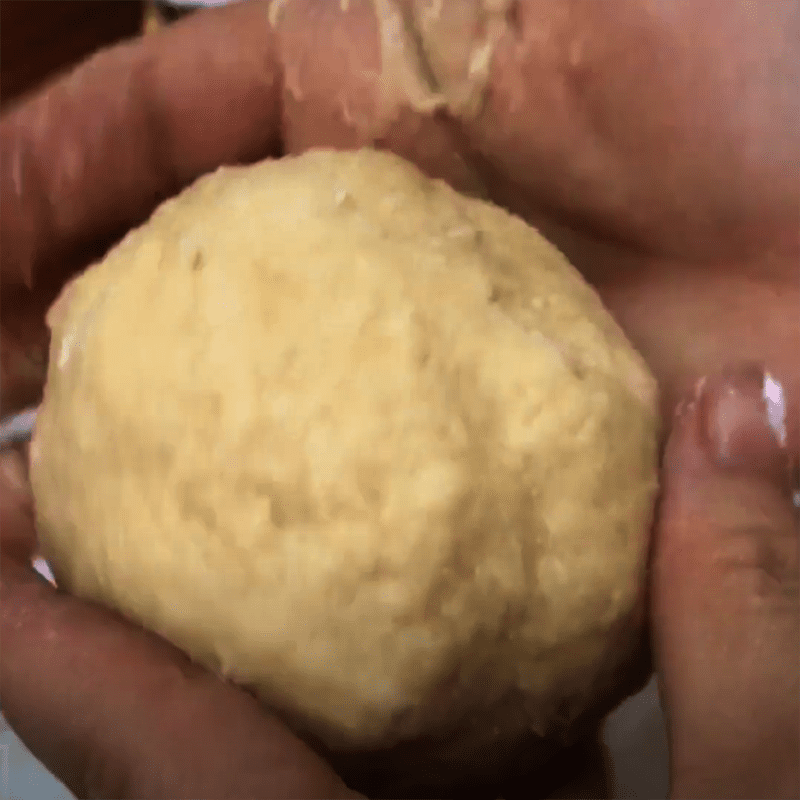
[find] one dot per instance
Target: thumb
(725, 607)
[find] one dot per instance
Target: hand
(725, 605)
(116, 712)
(656, 162)
(120, 712)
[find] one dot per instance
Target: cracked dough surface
(356, 440)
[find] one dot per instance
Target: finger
(23, 346)
(97, 150)
(726, 610)
(16, 509)
(116, 712)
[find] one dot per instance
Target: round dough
(360, 442)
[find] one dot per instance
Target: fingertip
(683, 445)
(725, 563)
(726, 503)
(733, 422)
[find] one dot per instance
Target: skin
(664, 167)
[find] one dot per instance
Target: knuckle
(763, 563)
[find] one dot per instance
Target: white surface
(636, 736)
(17, 427)
(22, 777)
(43, 568)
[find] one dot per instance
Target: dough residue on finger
(438, 53)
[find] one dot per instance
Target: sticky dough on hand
(434, 53)
(437, 54)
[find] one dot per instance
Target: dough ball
(359, 442)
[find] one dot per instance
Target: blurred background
(39, 39)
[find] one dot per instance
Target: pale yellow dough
(356, 440)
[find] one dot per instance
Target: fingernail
(744, 419)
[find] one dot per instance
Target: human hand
(116, 712)
(665, 168)
(725, 605)
(570, 138)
